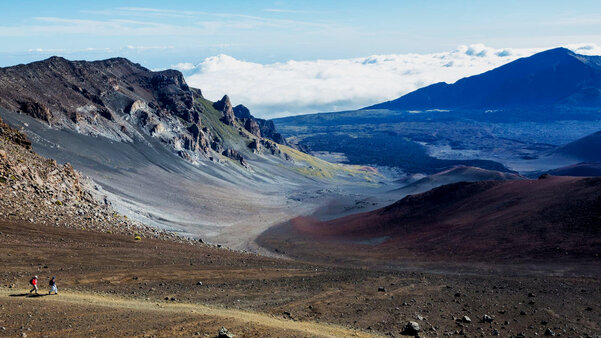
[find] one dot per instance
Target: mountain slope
(160, 151)
(553, 77)
(587, 149)
(555, 218)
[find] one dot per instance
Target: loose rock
(411, 328)
(224, 333)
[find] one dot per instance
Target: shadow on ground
(35, 295)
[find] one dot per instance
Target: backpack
(31, 281)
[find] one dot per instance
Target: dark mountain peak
(558, 51)
(54, 59)
(555, 77)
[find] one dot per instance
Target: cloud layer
(299, 87)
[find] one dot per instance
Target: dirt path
(230, 317)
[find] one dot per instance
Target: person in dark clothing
(53, 287)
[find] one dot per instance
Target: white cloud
(184, 66)
(297, 87)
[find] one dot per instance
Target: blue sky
(161, 33)
(291, 57)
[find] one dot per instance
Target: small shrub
(58, 202)
(137, 238)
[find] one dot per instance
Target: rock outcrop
(258, 127)
(225, 107)
(253, 127)
(235, 155)
(269, 131)
(36, 110)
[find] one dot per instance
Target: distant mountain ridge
(556, 77)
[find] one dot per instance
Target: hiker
(34, 283)
(53, 288)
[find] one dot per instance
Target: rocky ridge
(126, 102)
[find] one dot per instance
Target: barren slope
(549, 220)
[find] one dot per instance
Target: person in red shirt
(34, 283)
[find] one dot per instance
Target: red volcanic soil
(553, 219)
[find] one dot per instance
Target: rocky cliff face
(126, 102)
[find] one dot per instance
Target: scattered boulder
(466, 319)
(255, 145)
(224, 333)
(549, 332)
(381, 289)
(411, 328)
(487, 319)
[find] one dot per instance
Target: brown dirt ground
(112, 285)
